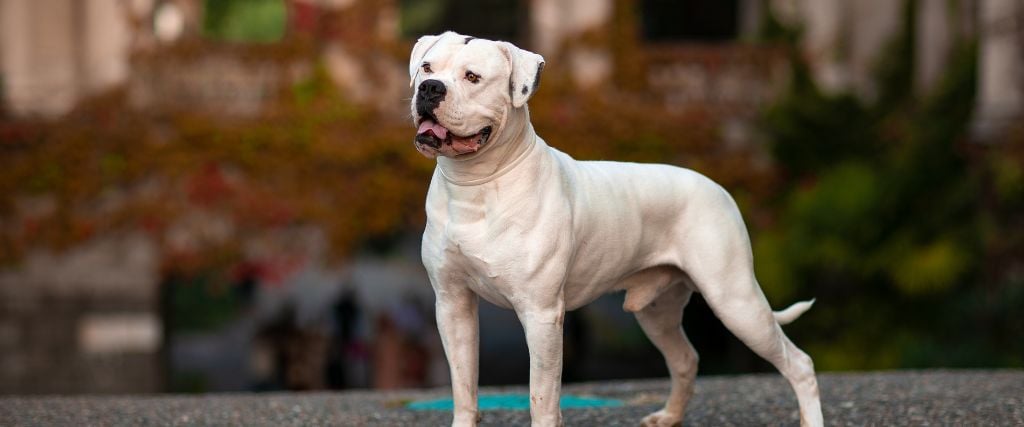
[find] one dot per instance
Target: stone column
(874, 25)
(53, 52)
(1000, 96)
(935, 38)
(106, 45)
(553, 22)
(825, 24)
(38, 63)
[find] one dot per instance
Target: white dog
(526, 227)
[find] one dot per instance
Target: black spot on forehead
(468, 39)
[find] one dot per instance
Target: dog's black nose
(432, 91)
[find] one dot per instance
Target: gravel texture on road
(945, 398)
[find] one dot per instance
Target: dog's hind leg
(723, 273)
(661, 320)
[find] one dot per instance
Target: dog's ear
(418, 52)
(525, 77)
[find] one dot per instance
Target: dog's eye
(472, 77)
(426, 68)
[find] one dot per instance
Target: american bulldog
(526, 227)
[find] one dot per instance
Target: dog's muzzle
(433, 138)
(429, 95)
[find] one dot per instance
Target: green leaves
(931, 268)
(258, 21)
(891, 219)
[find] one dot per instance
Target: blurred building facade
(842, 40)
(54, 53)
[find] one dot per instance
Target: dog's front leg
(543, 326)
(458, 325)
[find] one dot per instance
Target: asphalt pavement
(911, 398)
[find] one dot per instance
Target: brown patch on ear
(536, 77)
(522, 64)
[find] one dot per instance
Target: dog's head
(464, 88)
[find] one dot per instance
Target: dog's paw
(466, 419)
(663, 418)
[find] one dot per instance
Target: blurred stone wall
(83, 321)
(218, 82)
(729, 79)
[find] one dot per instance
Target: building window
(258, 21)
(490, 19)
(689, 20)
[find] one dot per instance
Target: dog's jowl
(562, 232)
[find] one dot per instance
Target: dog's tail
(790, 314)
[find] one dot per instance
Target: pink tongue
(429, 126)
(465, 145)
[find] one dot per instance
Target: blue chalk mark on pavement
(514, 402)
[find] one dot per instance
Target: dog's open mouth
(431, 134)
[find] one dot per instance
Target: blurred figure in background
(346, 358)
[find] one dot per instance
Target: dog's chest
(467, 253)
(478, 234)
(467, 219)
(487, 241)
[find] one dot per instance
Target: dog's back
(630, 216)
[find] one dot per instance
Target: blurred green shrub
(258, 21)
(198, 304)
(885, 219)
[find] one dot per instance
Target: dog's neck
(508, 147)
